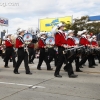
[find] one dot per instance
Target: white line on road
(15, 84)
(22, 85)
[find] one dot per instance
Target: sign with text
(48, 23)
(3, 21)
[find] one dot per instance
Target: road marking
(37, 87)
(16, 84)
(26, 85)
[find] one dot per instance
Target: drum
(50, 42)
(80, 50)
(87, 51)
(27, 38)
(70, 52)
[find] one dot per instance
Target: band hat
(19, 30)
(80, 33)
(93, 36)
(42, 33)
(85, 31)
(60, 25)
(7, 34)
(70, 31)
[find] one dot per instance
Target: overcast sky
(25, 13)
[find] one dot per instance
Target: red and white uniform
(41, 43)
(94, 43)
(84, 41)
(71, 41)
(19, 42)
(60, 38)
(8, 43)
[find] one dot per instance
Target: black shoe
(95, 65)
(6, 66)
(79, 70)
(39, 68)
(91, 67)
(81, 66)
(29, 73)
(58, 76)
(16, 72)
(50, 69)
(73, 76)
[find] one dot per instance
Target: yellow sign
(48, 23)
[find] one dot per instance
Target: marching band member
(85, 42)
(9, 51)
(31, 52)
(71, 42)
(22, 53)
(51, 50)
(61, 43)
(94, 45)
(78, 56)
(43, 53)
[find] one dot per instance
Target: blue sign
(53, 23)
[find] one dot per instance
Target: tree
(82, 23)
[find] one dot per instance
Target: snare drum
(50, 42)
(27, 38)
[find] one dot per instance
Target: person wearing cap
(71, 42)
(43, 53)
(21, 52)
(31, 52)
(94, 45)
(9, 50)
(61, 43)
(85, 41)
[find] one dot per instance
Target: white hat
(41, 33)
(19, 30)
(60, 25)
(93, 36)
(70, 31)
(7, 34)
(84, 31)
(80, 33)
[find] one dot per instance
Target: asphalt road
(42, 85)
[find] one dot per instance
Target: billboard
(3, 21)
(94, 18)
(48, 23)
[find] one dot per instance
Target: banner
(94, 18)
(3, 21)
(48, 23)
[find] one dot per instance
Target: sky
(26, 13)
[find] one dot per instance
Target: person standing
(84, 41)
(71, 43)
(43, 52)
(31, 52)
(21, 52)
(61, 43)
(9, 51)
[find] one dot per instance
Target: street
(42, 85)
